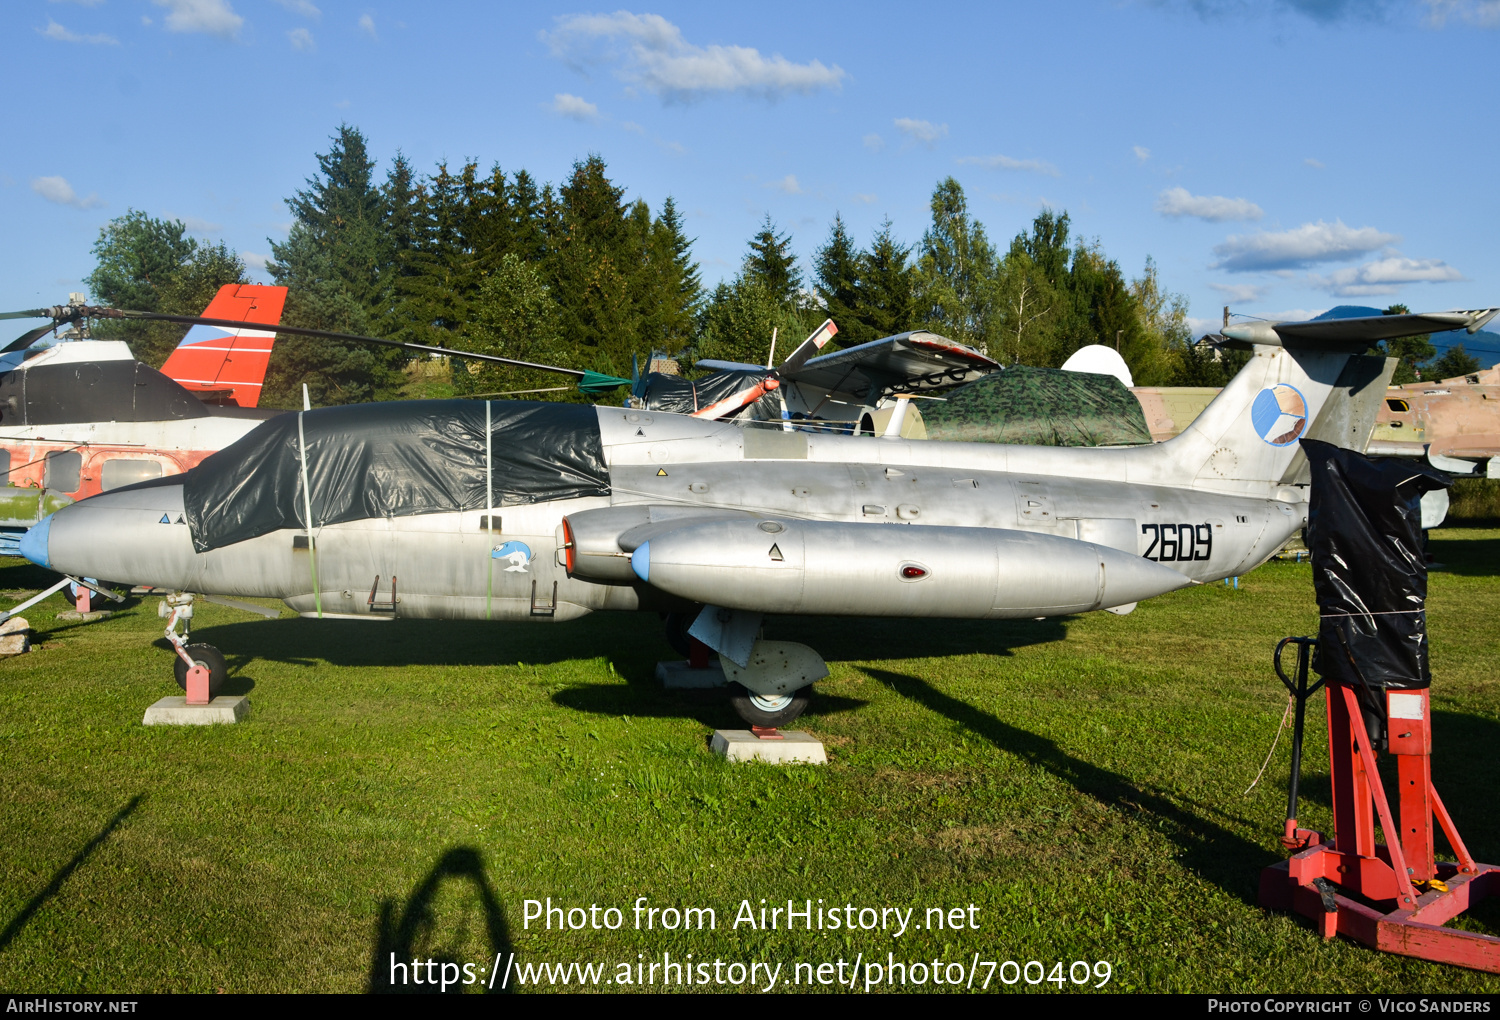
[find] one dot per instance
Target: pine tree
(334, 263)
(1455, 362)
(772, 265)
(677, 288)
(594, 255)
(837, 267)
(887, 284)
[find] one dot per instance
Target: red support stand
(1392, 896)
(697, 653)
(82, 598)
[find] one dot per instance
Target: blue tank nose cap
(34, 542)
(640, 561)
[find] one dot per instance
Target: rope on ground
(1284, 717)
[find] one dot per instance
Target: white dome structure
(1100, 360)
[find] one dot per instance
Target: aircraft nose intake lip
(34, 542)
(640, 561)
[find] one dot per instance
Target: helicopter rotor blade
(26, 339)
(326, 334)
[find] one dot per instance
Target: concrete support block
(794, 746)
(175, 711)
(680, 676)
(89, 617)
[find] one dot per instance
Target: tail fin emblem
(1279, 414)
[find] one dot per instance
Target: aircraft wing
(905, 363)
(1362, 331)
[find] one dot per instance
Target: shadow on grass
(409, 956)
(1465, 557)
(612, 636)
(1216, 854)
(647, 700)
(19, 921)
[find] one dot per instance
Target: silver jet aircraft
(525, 511)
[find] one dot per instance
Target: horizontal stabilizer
(1358, 333)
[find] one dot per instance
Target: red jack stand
(766, 733)
(697, 653)
(82, 598)
(1334, 883)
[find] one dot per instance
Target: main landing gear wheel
(675, 626)
(767, 710)
(208, 657)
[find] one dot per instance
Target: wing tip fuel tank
(34, 542)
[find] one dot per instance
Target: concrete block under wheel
(175, 711)
(794, 746)
(680, 676)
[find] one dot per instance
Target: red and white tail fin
(228, 365)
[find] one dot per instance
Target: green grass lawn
(405, 787)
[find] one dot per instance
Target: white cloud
(195, 225)
(1299, 247)
(58, 33)
(1481, 13)
(58, 190)
(301, 7)
(1141, 152)
(1315, 164)
(574, 108)
(649, 51)
(874, 142)
(210, 17)
(787, 185)
(1035, 166)
(1295, 314)
(1200, 327)
(301, 39)
(367, 26)
(866, 199)
(1240, 293)
(1385, 276)
(923, 131)
(1178, 202)
(254, 261)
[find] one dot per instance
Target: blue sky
(1278, 157)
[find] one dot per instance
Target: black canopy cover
(1364, 530)
(393, 460)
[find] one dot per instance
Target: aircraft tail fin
(1248, 436)
(228, 366)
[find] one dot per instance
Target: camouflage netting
(1039, 407)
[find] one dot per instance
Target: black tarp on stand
(676, 395)
(393, 460)
(1364, 531)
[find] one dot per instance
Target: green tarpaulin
(1039, 407)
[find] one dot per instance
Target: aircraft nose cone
(34, 542)
(640, 560)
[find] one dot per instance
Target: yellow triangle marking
(661, 472)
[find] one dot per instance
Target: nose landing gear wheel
(208, 657)
(767, 710)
